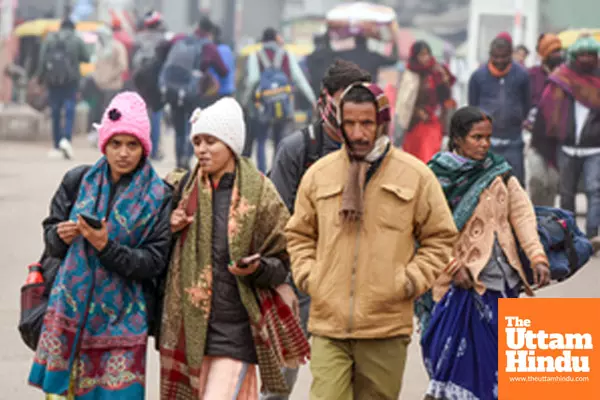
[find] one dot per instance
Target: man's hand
(289, 297)
(251, 267)
(180, 220)
(98, 238)
(67, 231)
(541, 275)
(462, 279)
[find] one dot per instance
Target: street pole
(518, 23)
(229, 21)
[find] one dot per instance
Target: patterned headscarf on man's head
(328, 111)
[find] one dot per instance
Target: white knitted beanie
(223, 120)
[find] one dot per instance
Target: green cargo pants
(357, 369)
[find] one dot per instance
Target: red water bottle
(35, 274)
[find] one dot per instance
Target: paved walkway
(27, 182)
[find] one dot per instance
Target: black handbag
(34, 302)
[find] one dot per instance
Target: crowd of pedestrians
(343, 243)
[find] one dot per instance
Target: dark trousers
(260, 132)
(62, 98)
(570, 170)
(513, 153)
(155, 121)
(183, 146)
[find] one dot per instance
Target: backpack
(273, 95)
(143, 56)
(180, 77)
(146, 49)
(313, 146)
(566, 246)
(60, 68)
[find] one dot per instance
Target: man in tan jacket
(359, 216)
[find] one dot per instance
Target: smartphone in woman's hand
(246, 261)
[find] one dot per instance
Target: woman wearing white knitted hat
(222, 317)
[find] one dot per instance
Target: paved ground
(27, 182)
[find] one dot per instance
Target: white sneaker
(66, 148)
(55, 154)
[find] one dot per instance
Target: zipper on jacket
(353, 278)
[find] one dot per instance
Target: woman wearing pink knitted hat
(109, 224)
(223, 314)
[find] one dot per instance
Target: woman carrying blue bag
(460, 337)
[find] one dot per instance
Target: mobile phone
(246, 261)
(91, 221)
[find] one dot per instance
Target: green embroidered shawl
(257, 219)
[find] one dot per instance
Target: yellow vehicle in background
(31, 34)
(570, 36)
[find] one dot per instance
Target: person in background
(501, 89)
(520, 54)
(152, 33)
(109, 71)
(372, 61)
(60, 56)
(352, 239)
(181, 113)
(297, 152)
(123, 37)
(425, 132)
(549, 49)
(227, 83)
(488, 205)
(543, 177)
(229, 257)
(319, 61)
(145, 67)
(273, 59)
(567, 129)
(103, 301)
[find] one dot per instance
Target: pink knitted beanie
(126, 115)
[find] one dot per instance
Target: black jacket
(147, 263)
(290, 162)
(228, 333)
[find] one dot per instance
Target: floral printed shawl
(257, 219)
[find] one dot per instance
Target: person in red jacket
(122, 36)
